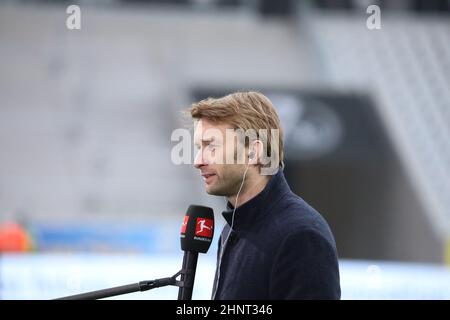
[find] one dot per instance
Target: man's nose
(199, 160)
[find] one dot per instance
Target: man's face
(221, 178)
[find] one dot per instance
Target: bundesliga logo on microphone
(204, 227)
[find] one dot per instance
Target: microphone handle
(188, 275)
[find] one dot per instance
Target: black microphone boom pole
(129, 288)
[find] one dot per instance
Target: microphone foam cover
(197, 230)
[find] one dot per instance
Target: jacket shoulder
(293, 216)
(305, 263)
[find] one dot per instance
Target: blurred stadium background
(89, 197)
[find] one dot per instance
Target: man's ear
(255, 152)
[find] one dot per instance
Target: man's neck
(250, 190)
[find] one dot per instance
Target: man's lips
(207, 177)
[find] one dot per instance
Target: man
(274, 245)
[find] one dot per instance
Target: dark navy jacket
(280, 248)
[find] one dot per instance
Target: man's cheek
(218, 156)
(230, 156)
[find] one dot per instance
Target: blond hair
(243, 110)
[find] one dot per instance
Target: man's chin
(214, 191)
(211, 191)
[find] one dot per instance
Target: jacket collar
(259, 206)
